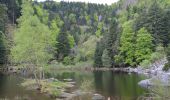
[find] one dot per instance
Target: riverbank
(157, 77)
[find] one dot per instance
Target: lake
(113, 85)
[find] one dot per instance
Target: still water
(116, 86)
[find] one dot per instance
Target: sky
(109, 2)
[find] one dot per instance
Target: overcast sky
(91, 1)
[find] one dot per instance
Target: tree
(127, 45)
(71, 41)
(156, 23)
(42, 14)
(99, 29)
(63, 46)
(31, 41)
(3, 45)
(143, 46)
(112, 40)
(106, 59)
(98, 54)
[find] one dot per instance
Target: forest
(43, 35)
(126, 33)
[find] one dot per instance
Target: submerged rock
(68, 80)
(98, 97)
(67, 96)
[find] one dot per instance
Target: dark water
(117, 86)
(10, 89)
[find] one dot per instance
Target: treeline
(127, 33)
(78, 27)
(9, 12)
(143, 32)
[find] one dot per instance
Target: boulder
(145, 83)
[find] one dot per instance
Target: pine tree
(112, 40)
(106, 59)
(98, 54)
(63, 46)
(3, 45)
(156, 23)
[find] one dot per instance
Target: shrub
(166, 67)
(145, 63)
(86, 85)
(68, 61)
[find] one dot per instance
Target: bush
(145, 63)
(166, 67)
(68, 61)
(86, 85)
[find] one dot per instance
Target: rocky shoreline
(157, 77)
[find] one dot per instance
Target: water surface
(117, 86)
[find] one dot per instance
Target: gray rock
(98, 97)
(145, 83)
(79, 93)
(52, 80)
(66, 95)
(73, 83)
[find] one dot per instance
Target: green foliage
(3, 51)
(167, 65)
(71, 41)
(99, 30)
(3, 17)
(127, 45)
(145, 63)
(106, 60)
(87, 49)
(123, 33)
(63, 46)
(98, 54)
(68, 61)
(143, 46)
(42, 14)
(134, 48)
(158, 54)
(86, 85)
(3, 41)
(32, 39)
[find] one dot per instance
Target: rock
(73, 83)
(68, 80)
(145, 83)
(65, 95)
(69, 86)
(156, 81)
(79, 93)
(52, 80)
(98, 97)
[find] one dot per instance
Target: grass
(54, 88)
(79, 65)
(86, 85)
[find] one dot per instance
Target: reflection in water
(10, 89)
(116, 86)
